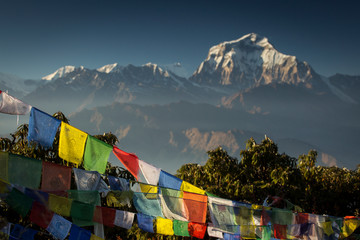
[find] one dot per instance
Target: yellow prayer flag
(350, 225)
(150, 192)
(60, 205)
(72, 143)
(164, 226)
(188, 187)
(327, 227)
(94, 237)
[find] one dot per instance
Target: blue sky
(38, 37)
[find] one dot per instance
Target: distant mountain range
(243, 88)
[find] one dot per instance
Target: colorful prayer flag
(86, 180)
(82, 213)
(60, 205)
(124, 219)
(120, 184)
(167, 180)
(181, 228)
(72, 143)
(41, 215)
(147, 205)
(22, 233)
(196, 206)
(96, 154)
(164, 226)
(77, 233)
(104, 216)
(188, 187)
(130, 161)
(42, 128)
(197, 230)
(19, 202)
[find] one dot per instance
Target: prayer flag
(124, 219)
(94, 237)
(14, 106)
(130, 161)
(77, 233)
(96, 154)
(42, 128)
(181, 228)
(197, 230)
(196, 206)
(104, 216)
(327, 227)
(229, 236)
(167, 180)
(82, 213)
(41, 215)
(119, 198)
(280, 231)
(59, 227)
(19, 202)
(282, 216)
(55, 177)
(86, 180)
(145, 222)
(72, 143)
(21, 233)
(213, 232)
(164, 226)
(350, 225)
(187, 187)
(150, 172)
(301, 218)
(120, 184)
(222, 213)
(172, 204)
(24, 171)
(60, 205)
(147, 205)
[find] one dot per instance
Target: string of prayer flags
(42, 128)
(60, 205)
(167, 180)
(124, 219)
(181, 228)
(150, 173)
(164, 226)
(197, 230)
(145, 222)
(19, 202)
(86, 180)
(59, 227)
(130, 161)
(19, 232)
(41, 215)
(55, 177)
(104, 216)
(14, 106)
(77, 233)
(196, 206)
(187, 187)
(24, 171)
(96, 154)
(72, 143)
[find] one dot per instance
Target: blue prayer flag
(145, 222)
(42, 128)
(21, 233)
(149, 204)
(169, 181)
(77, 233)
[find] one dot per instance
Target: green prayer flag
(181, 228)
(82, 213)
(20, 202)
(4, 163)
(96, 154)
(281, 216)
(266, 233)
(24, 171)
(84, 196)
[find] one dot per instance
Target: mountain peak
(109, 68)
(60, 72)
(252, 39)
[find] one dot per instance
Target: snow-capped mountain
(251, 61)
(61, 72)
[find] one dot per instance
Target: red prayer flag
(302, 218)
(104, 216)
(280, 231)
(55, 177)
(130, 161)
(41, 215)
(197, 230)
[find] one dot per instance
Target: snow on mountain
(250, 61)
(110, 68)
(176, 68)
(60, 72)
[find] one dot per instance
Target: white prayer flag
(14, 106)
(150, 172)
